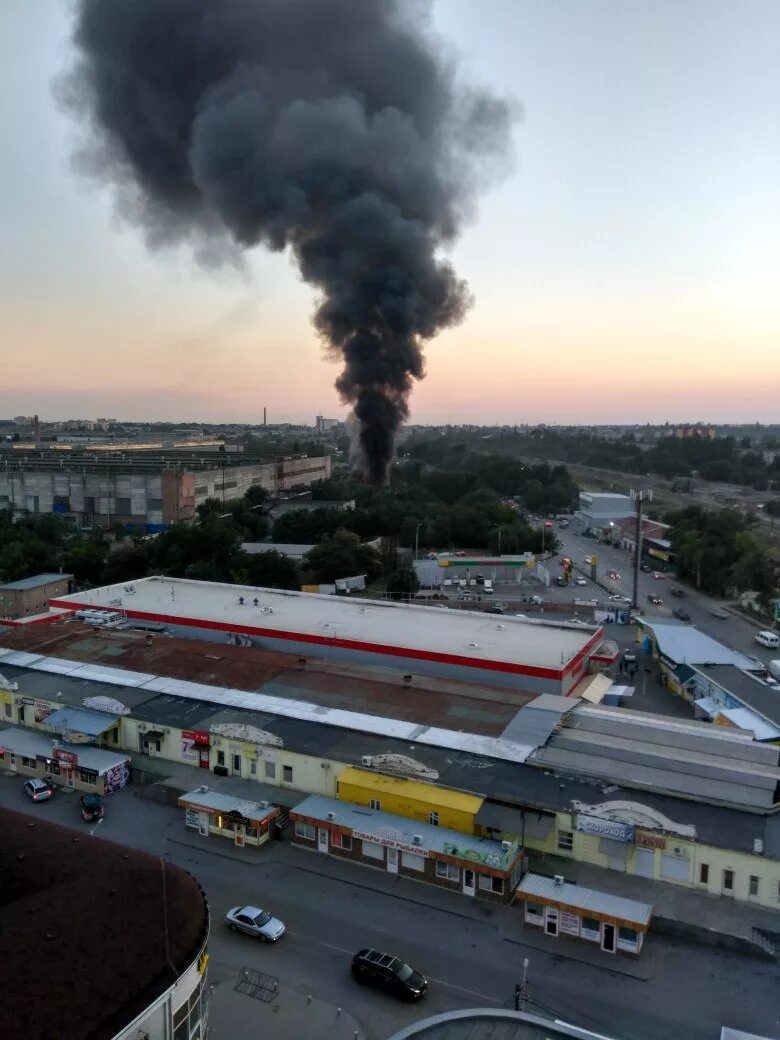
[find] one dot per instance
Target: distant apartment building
(323, 425)
(142, 491)
(698, 429)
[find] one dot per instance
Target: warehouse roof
(684, 644)
(202, 798)
(455, 637)
(35, 582)
(585, 899)
(37, 745)
(59, 894)
(81, 720)
(746, 688)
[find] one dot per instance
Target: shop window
(433, 819)
(565, 841)
(753, 885)
(8, 710)
(253, 768)
(778, 892)
(220, 758)
(489, 883)
(628, 939)
(341, 841)
(270, 770)
(304, 830)
(448, 871)
(251, 832)
(287, 774)
(412, 861)
(372, 850)
(374, 803)
(704, 874)
(88, 776)
(29, 762)
(590, 928)
(534, 911)
(728, 880)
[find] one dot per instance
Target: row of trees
(719, 552)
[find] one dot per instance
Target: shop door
(69, 778)
(392, 860)
(551, 921)
(644, 862)
(322, 839)
(12, 763)
(236, 763)
(204, 758)
(239, 834)
(469, 885)
(608, 937)
(203, 824)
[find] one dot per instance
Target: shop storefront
(477, 867)
(77, 766)
(615, 924)
(237, 820)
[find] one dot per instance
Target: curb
(568, 950)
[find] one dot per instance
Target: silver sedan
(256, 922)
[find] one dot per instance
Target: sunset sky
(626, 270)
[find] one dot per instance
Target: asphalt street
(471, 953)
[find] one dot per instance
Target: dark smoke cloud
(335, 128)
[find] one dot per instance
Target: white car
(582, 581)
(255, 922)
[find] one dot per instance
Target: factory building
(146, 491)
(547, 658)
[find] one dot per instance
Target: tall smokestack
(265, 418)
(332, 128)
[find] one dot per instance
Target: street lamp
(417, 540)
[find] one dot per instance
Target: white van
(488, 587)
(770, 639)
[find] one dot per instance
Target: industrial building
(677, 801)
(97, 939)
(597, 510)
(141, 490)
(546, 658)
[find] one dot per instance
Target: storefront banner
(605, 828)
(569, 923)
(188, 746)
(649, 841)
(42, 711)
(199, 736)
(69, 758)
(117, 777)
(390, 842)
(192, 818)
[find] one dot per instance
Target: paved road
(471, 960)
(735, 632)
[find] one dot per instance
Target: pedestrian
(255, 601)
(241, 601)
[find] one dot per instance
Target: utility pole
(638, 497)
(521, 990)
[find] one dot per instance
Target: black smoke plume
(337, 128)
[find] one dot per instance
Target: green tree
(402, 582)
(13, 562)
(86, 559)
(342, 555)
(270, 570)
(126, 563)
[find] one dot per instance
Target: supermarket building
(539, 658)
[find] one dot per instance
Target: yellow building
(411, 798)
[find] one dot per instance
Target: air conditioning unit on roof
(366, 760)
(417, 839)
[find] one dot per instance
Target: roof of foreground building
(101, 931)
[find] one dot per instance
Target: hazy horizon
(625, 272)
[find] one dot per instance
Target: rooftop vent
(558, 879)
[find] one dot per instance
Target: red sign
(69, 757)
(197, 736)
(649, 841)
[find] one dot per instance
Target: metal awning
(152, 734)
(505, 818)
(81, 720)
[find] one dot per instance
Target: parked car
(719, 612)
(391, 974)
(681, 614)
(255, 922)
(679, 593)
(91, 807)
(38, 790)
(645, 567)
(658, 575)
(655, 600)
(589, 560)
(480, 579)
(613, 575)
(582, 581)
(629, 656)
(494, 610)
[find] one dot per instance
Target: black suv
(681, 614)
(91, 807)
(384, 971)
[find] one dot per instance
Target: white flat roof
(475, 639)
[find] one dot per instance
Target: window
(29, 762)
(374, 803)
(270, 770)
(287, 774)
(590, 929)
(373, 850)
(220, 758)
(534, 910)
(448, 871)
(154, 505)
(8, 710)
(412, 861)
(253, 768)
(304, 830)
(488, 883)
(753, 885)
(565, 841)
(704, 873)
(778, 891)
(728, 880)
(433, 819)
(341, 841)
(88, 776)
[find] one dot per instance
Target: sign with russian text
(649, 841)
(569, 923)
(391, 842)
(70, 758)
(605, 828)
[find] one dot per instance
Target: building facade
(30, 596)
